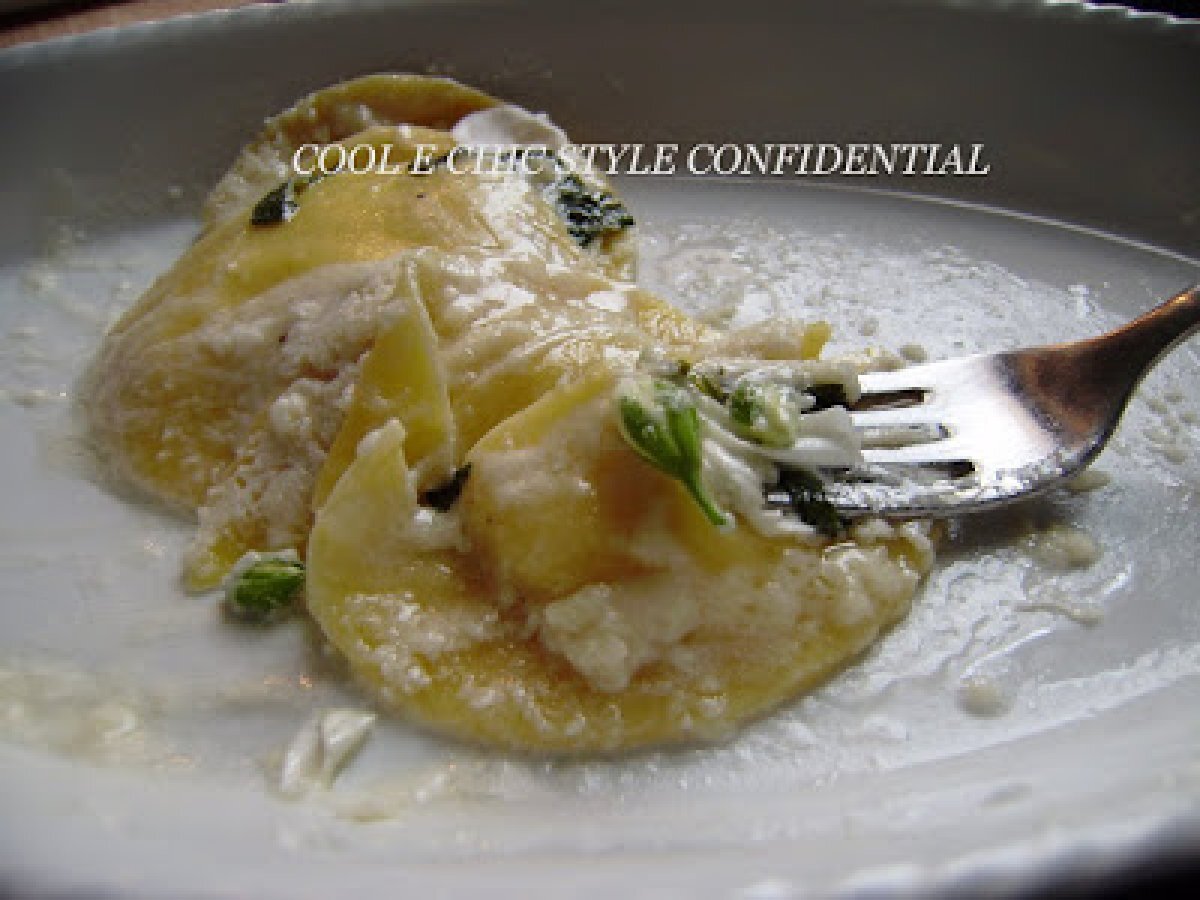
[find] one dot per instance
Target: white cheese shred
(321, 749)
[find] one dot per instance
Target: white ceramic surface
(1024, 724)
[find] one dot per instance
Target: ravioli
(223, 388)
(577, 600)
(308, 385)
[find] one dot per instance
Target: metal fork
(967, 434)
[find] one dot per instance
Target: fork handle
(1128, 352)
(1152, 334)
(1082, 380)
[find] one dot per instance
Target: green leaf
(647, 435)
(589, 213)
(683, 424)
(711, 382)
(276, 206)
(806, 494)
(764, 412)
(281, 204)
(445, 495)
(658, 419)
(264, 591)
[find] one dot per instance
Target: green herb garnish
(660, 422)
(711, 382)
(276, 206)
(264, 590)
(764, 412)
(445, 495)
(281, 204)
(806, 496)
(589, 213)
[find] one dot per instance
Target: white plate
(137, 724)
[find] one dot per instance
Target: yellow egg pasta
(528, 493)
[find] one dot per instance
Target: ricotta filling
(609, 632)
(664, 610)
(509, 125)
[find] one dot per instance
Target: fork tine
(890, 416)
(900, 434)
(935, 452)
(915, 383)
(887, 381)
(893, 416)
